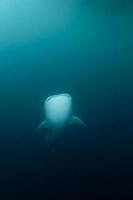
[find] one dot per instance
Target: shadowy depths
(76, 166)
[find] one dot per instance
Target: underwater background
(84, 48)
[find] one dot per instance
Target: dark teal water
(85, 49)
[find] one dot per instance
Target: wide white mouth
(58, 95)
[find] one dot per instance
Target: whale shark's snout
(58, 110)
(58, 114)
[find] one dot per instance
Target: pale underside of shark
(58, 114)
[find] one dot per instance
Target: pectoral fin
(41, 126)
(77, 120)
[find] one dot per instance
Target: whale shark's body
(58, 114)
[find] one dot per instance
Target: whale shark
(58, 113)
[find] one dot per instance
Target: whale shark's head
(58, 110)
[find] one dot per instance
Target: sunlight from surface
(20, 20)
